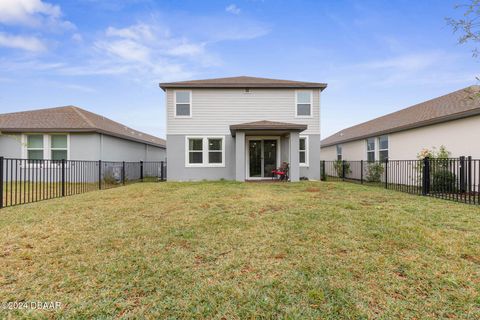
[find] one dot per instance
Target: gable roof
(71, 119)
(242, 82)
(456, 105)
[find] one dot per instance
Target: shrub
(339, 165)
(374, 172)
(443, 181)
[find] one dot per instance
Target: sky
(108, 56)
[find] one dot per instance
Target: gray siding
(312, 172)
(92, 146)
(214, 110)
(177, 171)
(10, 146)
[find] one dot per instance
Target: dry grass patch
(232, 250)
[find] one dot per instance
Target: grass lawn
(235, 251)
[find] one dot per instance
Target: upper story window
(183, 103)
(35, 147)
(205, 152)
(303, 104)
(303, 149)
(383, 148)
(339, 152)
(371, 149)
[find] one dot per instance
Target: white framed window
(383, 148)
(205, 151)
(339, 152)
(371, 149)
(35, 147)
(38, 146)
(303, 103)
(183, 103)
(59, 147)
(303, 151)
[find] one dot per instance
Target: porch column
(240, 156)
(294, 157)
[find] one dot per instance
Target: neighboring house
(72, 133)
(242, 128)
(452, 120)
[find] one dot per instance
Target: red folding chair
(281, 173)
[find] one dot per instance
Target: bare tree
(469, 25)
(469, 29)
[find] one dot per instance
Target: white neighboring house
(72, 133)
(241, 128)
(452, 120)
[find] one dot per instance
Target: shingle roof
(456, 105)
(71, 119)
(242, 82)
(267, 126)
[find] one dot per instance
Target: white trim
(47, 146)
(204, 163)
(375, 151)
(247, 154)
(379, 149)
(307, 147)
(175, 103)
(296, 104)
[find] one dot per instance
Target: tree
(469, 25)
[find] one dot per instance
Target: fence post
(63, 177)
(123, 172)
(323, 176)
(161, 171)
(426, 176)
(141, 171)
(462, 174)
(99, 174)
(1, 182)
(361, 171)
(343, 169)
(469, 174)
(386, 173)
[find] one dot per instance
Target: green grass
(235, 251)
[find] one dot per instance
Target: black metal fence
(24, 181)
(454, 179)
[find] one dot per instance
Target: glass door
(269, 157)
(255, 158)
(262, 157)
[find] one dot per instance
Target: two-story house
(241, 128)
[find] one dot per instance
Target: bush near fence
(450, 178)
(24, 181)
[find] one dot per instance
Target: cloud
(27, 43)
(233, 9)
(32, 13)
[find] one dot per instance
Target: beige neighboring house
(452, 120)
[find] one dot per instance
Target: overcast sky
(108, 56)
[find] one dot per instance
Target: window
(205, 152)
(35, 147)
(303, 149)
(383, 148)
(339, 152)
(214, 150)
(371, 149)
(195, 151)
(183, 103)
(304, 104)
(58, 148)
